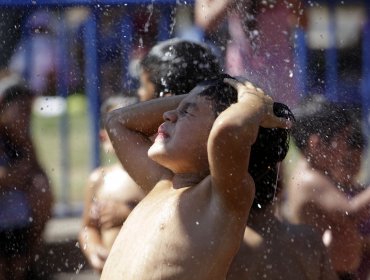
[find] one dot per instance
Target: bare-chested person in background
(110, 196)
(190, 224)
(272, 249)
(25, 193)
(321, 189)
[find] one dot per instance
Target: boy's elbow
(112, 125)
(113, 121)
(109, 119)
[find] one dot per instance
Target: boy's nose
(170, 116)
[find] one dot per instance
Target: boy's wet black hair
(316, 115)
(176, 66)
(271, 145)
(226, 94)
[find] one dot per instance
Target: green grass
(48, 139)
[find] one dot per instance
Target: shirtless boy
(110, 196)
(190, 224)
(162, 69)
(321, 190)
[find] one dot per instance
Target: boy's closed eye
(184, 113)
(187, 109)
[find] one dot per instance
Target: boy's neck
(181, 180)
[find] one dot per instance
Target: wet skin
(191, 223)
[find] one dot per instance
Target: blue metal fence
(92, 63)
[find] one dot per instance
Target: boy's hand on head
(257, 98)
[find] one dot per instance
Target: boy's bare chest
(174, 218)
(173, 231)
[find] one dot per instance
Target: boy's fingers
(245, 86)
(276, 122)
(240, 79)
(233, 82)
(249, 84)
(260, 90)
(284, 123)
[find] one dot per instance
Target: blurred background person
(322, 190)
(110, 196)
(25, 193)
(271, 248)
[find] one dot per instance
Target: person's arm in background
(360, 205)
(129, 129)
(335, 203)
(209, 13)
(320, 196)
(89, 236)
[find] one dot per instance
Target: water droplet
(79, 267)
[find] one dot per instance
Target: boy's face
(181, 143)
(146, 90)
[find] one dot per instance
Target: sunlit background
(75, 54)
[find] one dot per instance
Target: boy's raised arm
(229, 145)
(129, 129)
